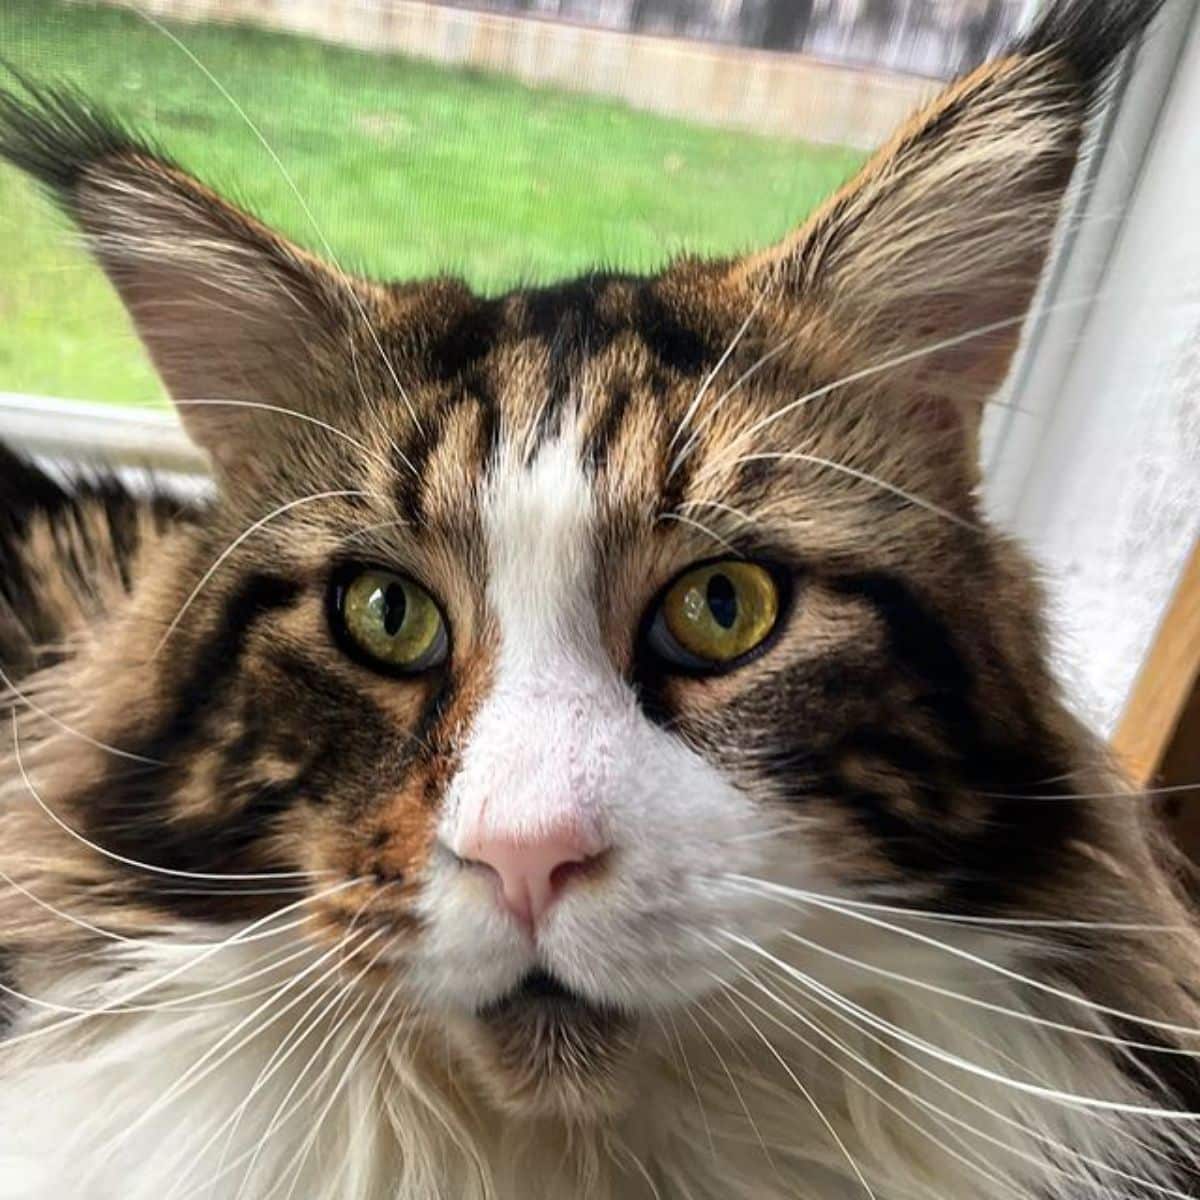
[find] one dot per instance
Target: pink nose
(533, 874)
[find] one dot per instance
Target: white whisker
(833, 1133)
(205, 1065)
(702, 391)
(249, 933)
(338, 1019)
(996, 968)
(925, 914)
(362, 447)
(11, 686)
(863, 1021)
(1054, 1095)
(687, 1066)
(323, 1006)
(112, 856)
(318, 1123)
(839, 1045)
(737, 1091)
(707, 417)
(1140, 793)
(889, 364)
(818, 460)
(699, 525)
(246, 533)
(291, 183)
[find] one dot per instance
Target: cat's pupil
(395, 605)
(722, 601)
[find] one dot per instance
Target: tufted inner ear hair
(232, 314)
(929, 259)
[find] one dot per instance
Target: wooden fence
(783, 94)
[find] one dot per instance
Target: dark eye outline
(657, 642)
(335, 598)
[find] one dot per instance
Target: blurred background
(924, 37)
(513, 141)
(509, 141)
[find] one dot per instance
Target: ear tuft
(928, 260)
(1089, 35)
(234, 316)
(55, 135)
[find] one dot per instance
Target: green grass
(409, 169)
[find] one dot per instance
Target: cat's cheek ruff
(70, 1119)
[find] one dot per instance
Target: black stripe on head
(573, 304)
(566, 319)
(676, 473)
(409, 465)
(565, 356)
(219, 658)
(465, 331)
(411, 462)
(491, 420)
(9, 1004)
(758, 478)
(25, 493)
(95, 505)
(25, 489)
(350, 733)
(916, 637)
(579, 301)
(607, 428)
(676, 345)
(468, 338)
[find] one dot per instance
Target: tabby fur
(881, 918)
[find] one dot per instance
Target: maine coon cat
(590, 742)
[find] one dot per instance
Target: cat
(589, 742)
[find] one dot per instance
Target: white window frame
(1093, 467)
(83, 431)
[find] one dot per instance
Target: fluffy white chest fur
(213, 1085)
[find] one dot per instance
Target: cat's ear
(231, 313)
(928, 260)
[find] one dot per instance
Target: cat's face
(561, 688)
(547, 637)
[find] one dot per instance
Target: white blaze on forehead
(545, 743)
(539, 526)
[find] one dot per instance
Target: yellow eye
(389, 620)
(714, 614)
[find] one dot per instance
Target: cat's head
(570, 646)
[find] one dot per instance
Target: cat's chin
(541, 1051)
